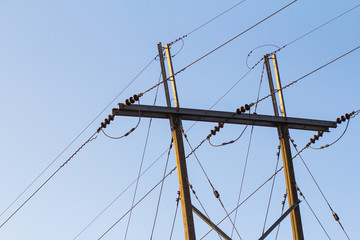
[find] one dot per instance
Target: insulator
(320, 133)
(342, 118)
(243, 109)
(106, 121)
(338, 120)
(111, 117)
(221, 124)
(216, 193)
(136, 97)
(103, 125)
(127, 102)
(132, 100)
(316, 137)
(213, 132)
(347, 116)
(238, 111)
(247, 106)
(217, 128)
(336, 217)
(312, 140)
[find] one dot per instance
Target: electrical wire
(128, 132)
(328, 145)
(176, 209)
(247, 198)
(248, 150)
(217, 195)
(161, 190)
(306, 75)
(318, 187)
(313, 30)
(282, 211)
(140, 200)
(295, 40)
(247, 58)
(318, 220)
(204, 24)
(91, 138)
(76, 138)
(217, 48)
(272, 188)
(118, 196)
(202, 206)
(226, 93)
(141, 164)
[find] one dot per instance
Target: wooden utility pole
(176, 128)
(284, 138)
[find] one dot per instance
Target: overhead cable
(91, 138)
(202, 25)
(140, 200)
(313, 30)
(119, 195)
(77, 137)
(318, 220)
(306, 75)
(217, 48)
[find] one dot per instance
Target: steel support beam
(279, 220)
(176, 128)
(210, 223)
(220, 116)
(283, 131)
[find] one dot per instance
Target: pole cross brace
(210, 223)
(221, 116)
(279, 220)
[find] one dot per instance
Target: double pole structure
(177, 114)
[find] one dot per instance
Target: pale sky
(63, 62)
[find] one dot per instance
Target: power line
(141, 164)
(93, 136)
(204, 24)
(306, 75)
(247, 198)
(114, 200)
(318, 220)
(313, 30)
(76, 138)
(272, 188)
(217, 48)
(216, 193)
(161, 190)
(295, 40)
(141, 199)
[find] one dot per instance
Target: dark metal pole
(284, 137)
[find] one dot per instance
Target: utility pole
(176, 128)
(176, 115)
(283, 132)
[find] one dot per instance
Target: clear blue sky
(62, 62)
